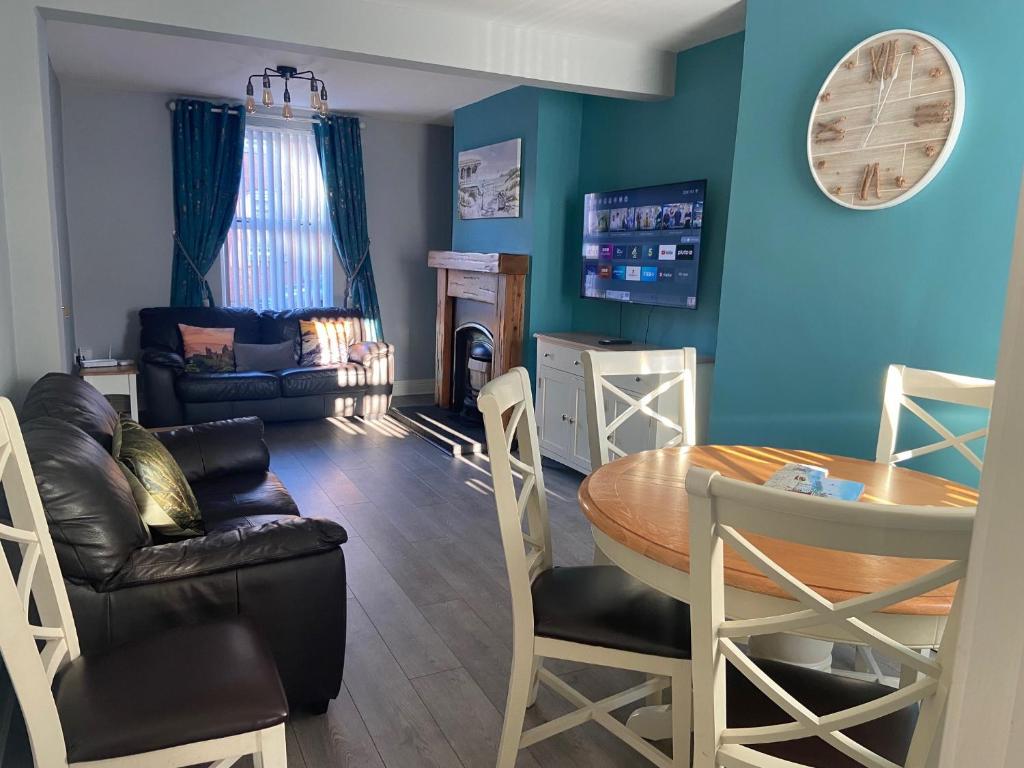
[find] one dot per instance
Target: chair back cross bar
(676, 370)
(905, 386)
(725, 512)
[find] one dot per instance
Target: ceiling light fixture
(317, 90)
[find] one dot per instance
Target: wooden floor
(429, 622)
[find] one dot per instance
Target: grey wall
(8, 374)
(117, 164)
(60, 220)
(408, 170)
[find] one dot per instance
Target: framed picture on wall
(489, 181)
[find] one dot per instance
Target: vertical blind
(279, 253)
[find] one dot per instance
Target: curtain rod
(172, 105)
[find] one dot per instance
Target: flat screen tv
(642, 246)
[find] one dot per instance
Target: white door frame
(985, 720)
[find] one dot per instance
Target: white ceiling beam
(404, 35)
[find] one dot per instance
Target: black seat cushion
(218, 448)
(322, 380)
(242, 495)
(222, 387)
(191, 683)
(823, 694)
(603, 605)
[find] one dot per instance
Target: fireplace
(479, 332)
(473, 361)
(479, 335)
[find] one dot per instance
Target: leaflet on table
(814, 481)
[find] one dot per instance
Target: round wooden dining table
(637, 508)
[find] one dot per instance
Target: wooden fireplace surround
(497, 279)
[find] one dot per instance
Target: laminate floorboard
(429, 633)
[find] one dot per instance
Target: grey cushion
(264, 357)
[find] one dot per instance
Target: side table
(115, 380)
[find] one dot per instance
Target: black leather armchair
(259, 559)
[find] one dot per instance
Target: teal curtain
(340, 146)
(207, 143)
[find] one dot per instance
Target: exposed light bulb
(250, 101)
(286, 111)
(323, 101)
(268, 97)
(314, 95)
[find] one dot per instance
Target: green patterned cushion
(164, 497)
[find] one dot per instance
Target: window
(279, 253)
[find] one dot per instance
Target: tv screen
(642, 246)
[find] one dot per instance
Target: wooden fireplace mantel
(496, 279)
(495, 263)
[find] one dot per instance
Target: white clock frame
(949, 144)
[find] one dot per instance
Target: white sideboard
(562, 402)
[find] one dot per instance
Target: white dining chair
(595, 614)
(671, 375)
(751, 713)
(905, 386)
(84, 711)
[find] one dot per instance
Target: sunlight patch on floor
(346, 426)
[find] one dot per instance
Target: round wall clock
(886, 120)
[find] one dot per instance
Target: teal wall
(576, 144)
(548, 122)
(817, 299)
(632, 144)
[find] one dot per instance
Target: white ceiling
(134, 59)
(148, 61)
(669, 25)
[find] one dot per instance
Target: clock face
(886, 120)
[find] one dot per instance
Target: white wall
(118, 174)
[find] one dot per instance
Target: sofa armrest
(378, 357)
(162, 357)
(230, 550)
(218, 448)
(159, 368)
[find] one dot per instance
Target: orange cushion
(208, 350)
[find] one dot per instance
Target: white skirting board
(413, 387)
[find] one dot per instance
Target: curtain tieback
(355, 272)
(200, 275)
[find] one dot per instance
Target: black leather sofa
(173, 396)
(258, 560)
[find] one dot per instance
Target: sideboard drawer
(560, 358)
